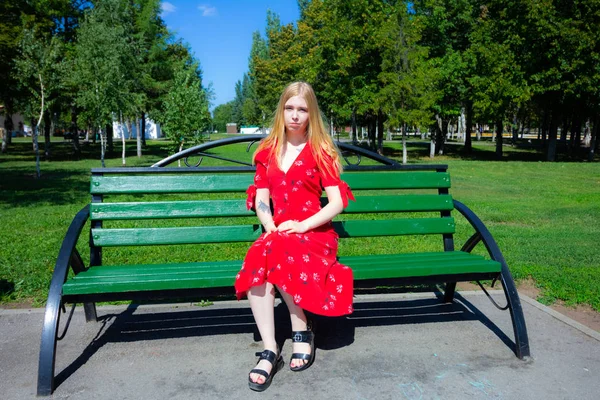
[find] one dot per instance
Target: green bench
(150, 208)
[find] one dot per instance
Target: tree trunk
(353, 132)
(3, 135)
(129, 128)
(102, 147)
(468, 126)
(124, 162)
(552, 132)
(404, 150)
(372, 127)
(499, 130)
(47, 128)
(109, 139)
(441, 137)
(75, 131)
(139, 141)
(380, 133)
(36, 147)
(143, 129)
(564, 131)
(8, 129)
(515, 130)
(594, 141)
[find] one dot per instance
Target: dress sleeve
(260, 179)
(335, 180)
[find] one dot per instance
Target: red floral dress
(303, 265)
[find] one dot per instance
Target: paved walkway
(395, 346)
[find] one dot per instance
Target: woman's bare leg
(262, 303)
(298, 319)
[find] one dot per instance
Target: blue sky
(220, 35)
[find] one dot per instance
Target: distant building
(232, 127)
(248, 130)
(152, 130)
(19, 126)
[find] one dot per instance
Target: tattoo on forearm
(263, 207)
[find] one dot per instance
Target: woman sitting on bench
(297, 251)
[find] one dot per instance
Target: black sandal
(306, 336)
(277, 365)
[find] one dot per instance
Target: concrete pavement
(395, 346)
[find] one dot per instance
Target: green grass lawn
(545, 216)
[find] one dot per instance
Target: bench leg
(45, 385)
(516, 314)
(449, 292)
(90, 312)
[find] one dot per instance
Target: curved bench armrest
(481, 234)
(508, 284)
(67, 255)
(67, 249)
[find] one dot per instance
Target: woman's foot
(269, 363)
(303, 349)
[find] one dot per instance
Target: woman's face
(296, 115)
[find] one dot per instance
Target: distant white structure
(255, 130)
(249, 130)
(152, 130)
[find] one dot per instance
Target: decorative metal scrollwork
(351, 154)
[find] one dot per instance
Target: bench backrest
(210, 206)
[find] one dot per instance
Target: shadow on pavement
(331, 333)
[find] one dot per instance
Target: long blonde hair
(318, 135)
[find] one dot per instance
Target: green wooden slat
(235, 265)
(169, 209)
(400, 203)
(157, 269)
(455, 267)
(397, 180)
(104, 286)
(203, 275)
(200, 183)
(182, 235)
(393, 227)
(197, 183)
(247, 233)
(237, 208)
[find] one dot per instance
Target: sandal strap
(267, 355)
(302, 337)
(301, 356)
(260, 372)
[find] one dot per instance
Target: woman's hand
(291, 226)
(270, 229)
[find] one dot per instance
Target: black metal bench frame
(69, 257)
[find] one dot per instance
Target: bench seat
(177, 276)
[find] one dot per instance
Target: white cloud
(167, 8)
(207, 10)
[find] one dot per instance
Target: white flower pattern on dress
(303, 276)
(297, 299)
(305, 258)
(339, 288)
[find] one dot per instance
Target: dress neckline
(293, 162)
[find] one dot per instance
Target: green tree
(222, 115)
(38, 70)
(185, 110)
(500, 86)
(104, 68)
(406, 95)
